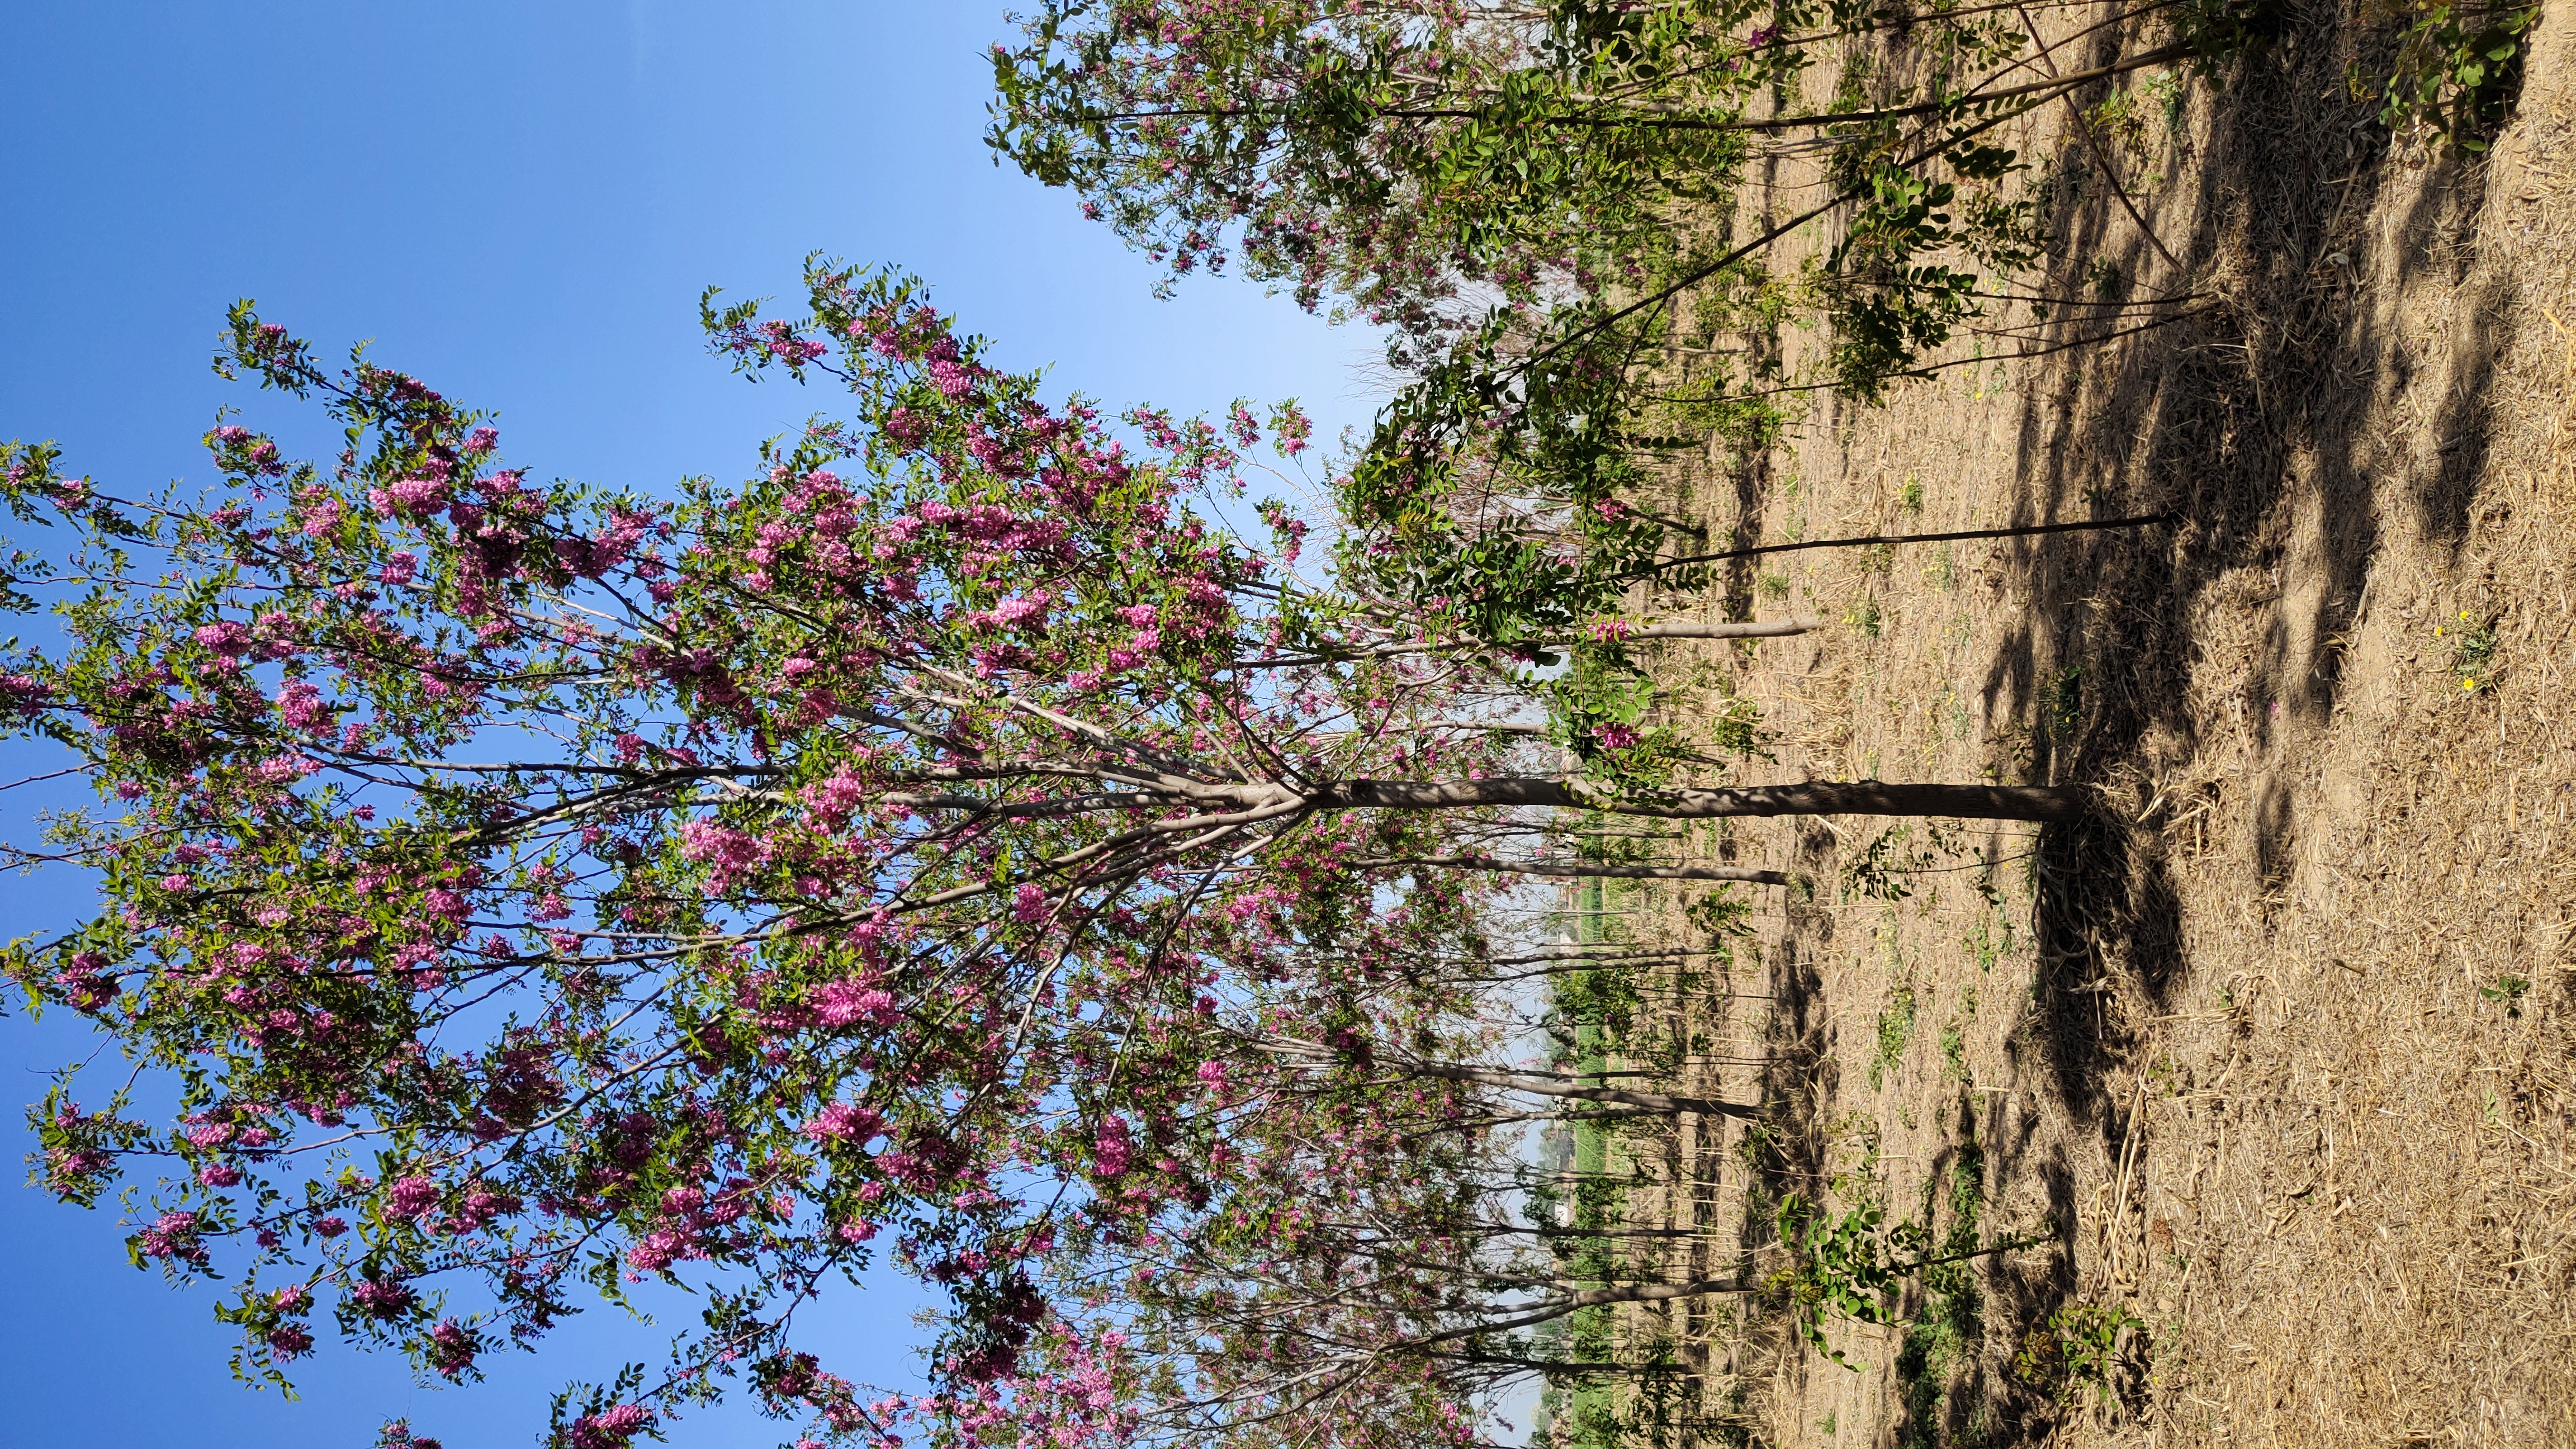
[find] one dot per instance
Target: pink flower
(174, 1237)
(300, 705)
(421, 495)
(1111, 1152)
(839, 1003)
(609, 1429)
(659, 1249)
(23, 694)
(730, 853)
(451, 1349)
(410, 1197)
(380, 1299)
(845, 1122)
(88, 990)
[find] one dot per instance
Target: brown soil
(2278, 1050)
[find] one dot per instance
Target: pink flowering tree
(528, 891)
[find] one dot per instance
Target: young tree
(525, 887)
(1425, 161)
(1542, 203)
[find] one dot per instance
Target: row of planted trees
(960, 841)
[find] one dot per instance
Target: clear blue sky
(520, 203)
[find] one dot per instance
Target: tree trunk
(2025, 530)
(1820, 797)
(1555, 1308)
(1694, 629)
(1616, 1096)
(1589, 871)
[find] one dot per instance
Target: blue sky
(519, 203)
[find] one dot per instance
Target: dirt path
(2281, 1049)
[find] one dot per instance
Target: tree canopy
(936, 840)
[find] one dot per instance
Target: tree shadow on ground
(2245, 420)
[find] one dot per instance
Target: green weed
(2456, 69)
(2076, 1350)
(2509, 990)
(2473, 651)
(1895, 1030)
(2061, 702)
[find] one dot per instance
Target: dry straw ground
(2280, 1048)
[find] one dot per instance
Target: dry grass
(2254, 1043)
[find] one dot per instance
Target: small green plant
(2456, 69)
(1950, 1326)
(1721, 913)
(1775, 586)
(2121, 119)
(1942, 572)
(1881, 869)
(1865, 615)
(2077, 1350)
(1761, 1148)
(1895, 1030)
(1736, 728)
(1878, 558)
(1851, 1265)
(1983, 943)
(2061, 702)
(1912, 498)
(1954, 1051)
(2165, 89)
(1841, 1266)
(2508, 990)
(2473, 650)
